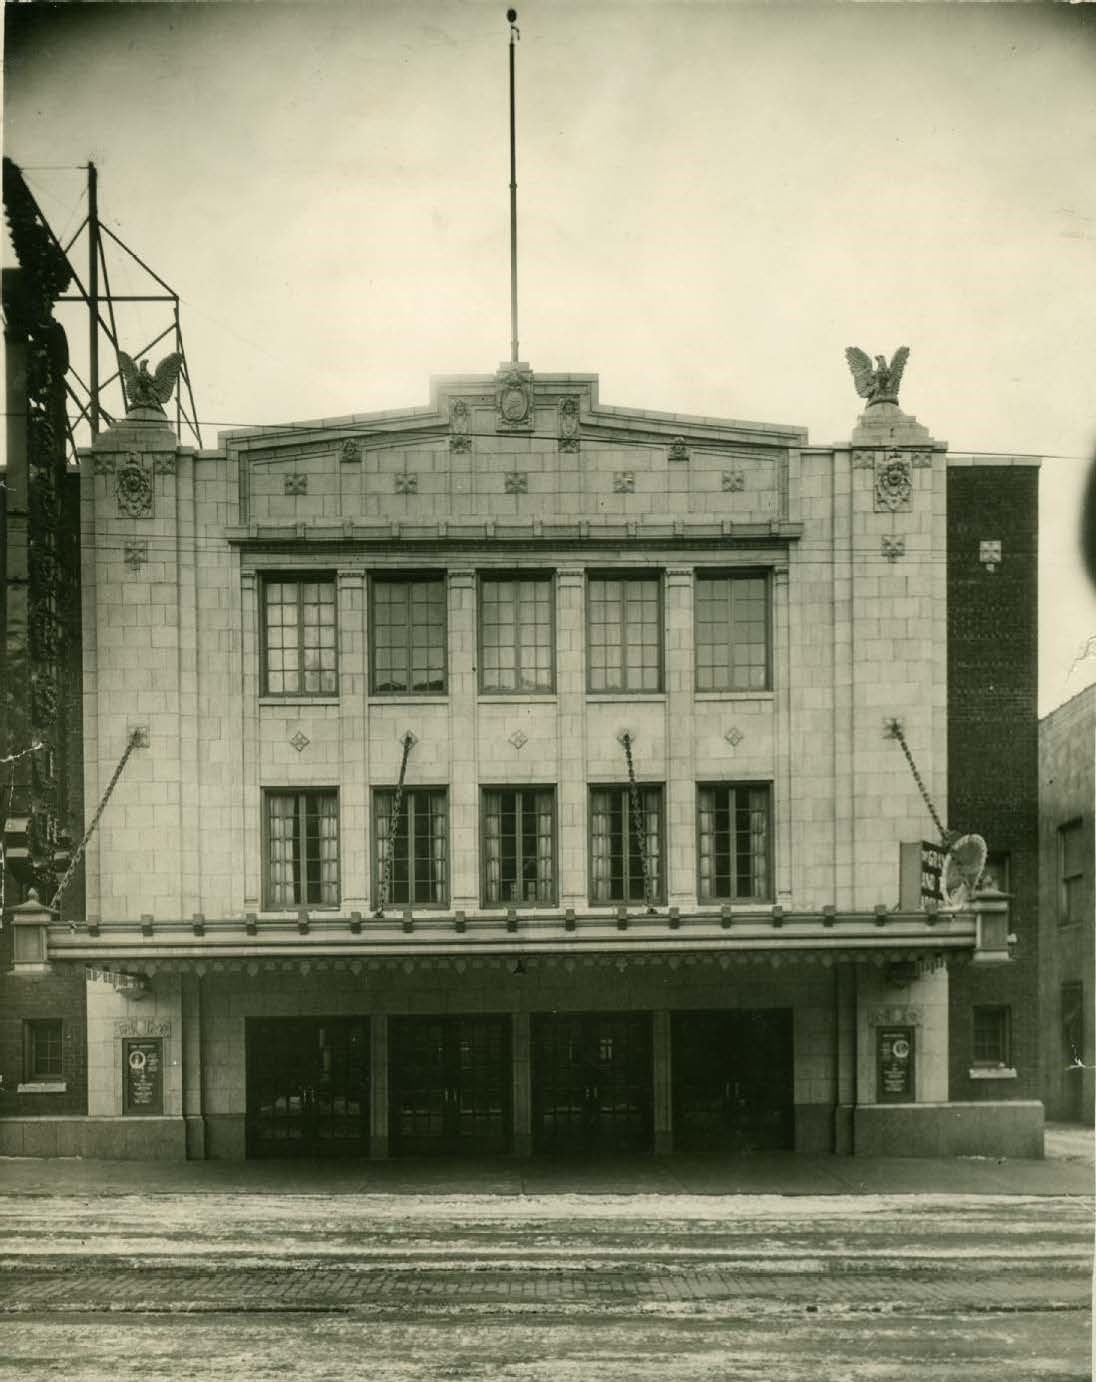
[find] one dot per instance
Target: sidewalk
(1066, 1170)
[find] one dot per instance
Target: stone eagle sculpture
(878, 383)
(144, 390)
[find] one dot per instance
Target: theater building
(516, 775)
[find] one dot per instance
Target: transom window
(991, 1036)
(420, 862)
(624, 633)
(302, 849)
(519, 845)
(408, 632)
(732, 633)
(733, 843)
(42, 1050)
(299, 653)
(1071, 865)
(516, 633)
(617, 857)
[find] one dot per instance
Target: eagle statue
(877, 383)
(144, 390)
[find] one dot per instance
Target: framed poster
(143, 1076)
(894, 1080)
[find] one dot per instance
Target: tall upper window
(625, 844)
(407, 633)
(624, 633)
(299, 651)
(516, 633)
(302, 849)
(419, 870)
(519, 845)
(732, 633)
(733, 843)
(1071, 872)
(42, 1050)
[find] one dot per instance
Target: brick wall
(993, 742)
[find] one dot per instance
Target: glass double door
(308, 1086)
(449, 1085)
(733, 1080)
(592, 1083)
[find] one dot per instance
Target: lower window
(991, 1036)
(302, 849)
(733, 843)
(626, 844)
(519, 845)
(416, 870)
(42, 1058)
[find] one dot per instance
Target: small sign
(894, 1080)
(932, 873)
(921, 875)
(142, 1027)
(143, 1076)
(123, 982)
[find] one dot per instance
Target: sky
(714, 201)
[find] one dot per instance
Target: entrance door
(450, 1085)
(732, 1081)
(592, 1083)
(308, 1086)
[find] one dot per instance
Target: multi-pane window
(624, 633)
(408, 629)
(515, 620)
(625, 845)
(42, 1058)
(299, 652)
(418, 874)
(732, 633)
(733, 848)
(302, 849)
(519, 845)
(1071, 872)
(991, 1036)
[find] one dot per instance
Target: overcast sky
(714, 201)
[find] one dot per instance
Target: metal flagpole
(515, 34)
(93, 294)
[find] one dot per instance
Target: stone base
(110, 1139)
(225, 1137)
(814, 1129)
(1006, 1129)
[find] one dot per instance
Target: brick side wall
(993, 744)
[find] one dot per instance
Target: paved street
(539, 1287)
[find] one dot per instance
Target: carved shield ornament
(133, 487)
(893, 483)
(513, 399)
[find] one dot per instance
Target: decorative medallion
(133, 487)
(733, 481)
(893, 482)
(407, 482)
(296, 484)
(515, 399)
(678, 450)
(893, 548)
(351, 450)
(136, 554)
(460, 426)
(989, 554)
(300, 741)
(734, 736)
(863, 458)
(624, 482)
(516, 482)
(104, 465)
(568, 425)
(518, 739)
(165, 464)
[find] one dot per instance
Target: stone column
(681, 769)
(571, 734)
(463, 787)
(353, 744)
(249, 743)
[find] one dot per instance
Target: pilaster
(680, 739)
(522, 1087)
(249, 740)
(463, 740)
(571, 733)
(353, 743)
(784, 855)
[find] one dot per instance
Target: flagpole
(511, 16)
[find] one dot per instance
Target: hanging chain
(78, 853)
(894, 729)
(637, 824)
(394, 828)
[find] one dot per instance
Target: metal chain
(394, 828)
(895, 729)
(637, 824)
(78, 853)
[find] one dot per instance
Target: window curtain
(545, 881)
(759, 843)
(492, 846)
(706, 843)
(601, 850)
(439, 890)
(327, 832)
(283, 850)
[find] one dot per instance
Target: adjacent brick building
(1067, 905)
(518, 774)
